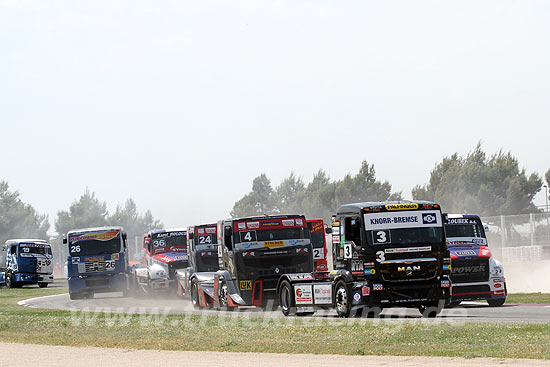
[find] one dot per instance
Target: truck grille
(470, 270)
(94, 267)
(409, 270)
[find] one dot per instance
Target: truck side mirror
(227, 234)
(328, 230)
(64, 240)
(191, 236)
(124, 235)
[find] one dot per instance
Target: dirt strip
(46, 356)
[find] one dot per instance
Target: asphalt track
(115, 303)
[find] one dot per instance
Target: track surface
(113, 302)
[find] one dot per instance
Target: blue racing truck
(97, 262)
(26, 261)
(476, 274)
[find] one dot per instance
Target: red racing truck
(253, 253)
(317, 231)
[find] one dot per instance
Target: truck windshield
(94, 247)
(169, 242)
(32, 248)
(317, 239)
(474, 230)
(406, 236)
(275, 234)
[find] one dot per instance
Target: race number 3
(381, 237)
(348, 251)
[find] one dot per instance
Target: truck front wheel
(10, 283)
(342, 301)
(42, 285)
(76, 296)
(195, 293)
(496, 302)
(286, 298)
(430, 310)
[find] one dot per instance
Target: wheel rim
(194, 294)
(342, 300)
(285, 298)
(223, 295)
(8, 281)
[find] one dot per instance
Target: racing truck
(26, 261)
(202, 245)
(475, 275)
(385, 254)
(165, 252)
(253, 253)
(97, 261)
(317, 233)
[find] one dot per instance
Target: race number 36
(348, 251)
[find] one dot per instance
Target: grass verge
(534, 298)
(290, 335)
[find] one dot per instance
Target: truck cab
(385, 254)
(165, 251)
(476, 274)
(26, 261)
(318, 231)
(202, 245)
(253, 253)
(97, 261)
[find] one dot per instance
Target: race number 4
(348, 251)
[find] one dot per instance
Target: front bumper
(32, 278)
(474, 291)
(98, 284)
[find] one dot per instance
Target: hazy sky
(180, 104)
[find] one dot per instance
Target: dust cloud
(527, 276)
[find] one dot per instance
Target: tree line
(475, 183)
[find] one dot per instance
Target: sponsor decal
(253, 225)
(466, 253)
(409, 270)
(288, 222)
(241, 225)
(303, 294)
(356, 297)
(385, 221)
(271, 223)
(300, 276)
(357, 265)
(201, 230)
(274, 243)
(96, 258)
(377, 287)
(445, 283)
(446, 267)
(115, 256)
(456, 221)
(428, 218)
(322, 293)
(468, 269)
(407, 206)
(407, 250)
(93, 236)
(316, 227)
(365, 290)
(370, 271)
(245, 285)
(75, 260)
(211, 230)
(299, 222)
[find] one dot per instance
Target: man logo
(409, 269)
(429, 218)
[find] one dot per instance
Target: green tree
(288, 194)
(258, 201)
(85, 212)
(134, 223)
(19, 220)
(479, 184)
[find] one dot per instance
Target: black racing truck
(202, 246)
(385, 254)
(253, 253)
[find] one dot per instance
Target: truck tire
(10, 283)
(496, 302)
(76, 296)
(195, 293)
(223, 296)
(286, 298)
(342, 300)
(430, 310)
(43, 285)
